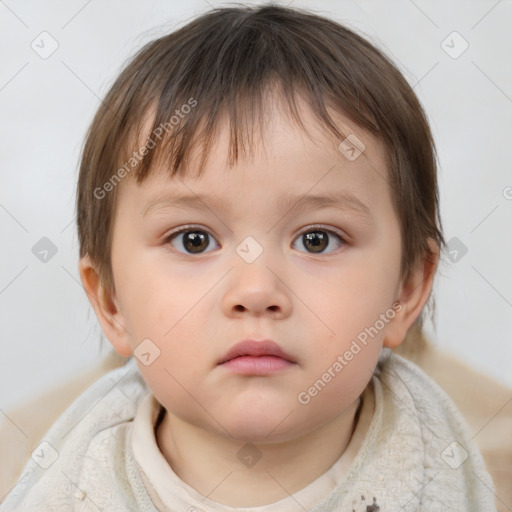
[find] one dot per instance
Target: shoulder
(423, 437)
(96, 416)
(408, 390)
(408, 382)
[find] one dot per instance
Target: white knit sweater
(417, 455)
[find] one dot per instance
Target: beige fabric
(22, 428)
(418, 452)
(486, 405)
(487, 408)
(169, 493)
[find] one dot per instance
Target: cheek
(350, 308)
(146, 294)
(352, 298)
(168, 385)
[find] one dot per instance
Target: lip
(257, 365)
(253, 348)
(251, 357)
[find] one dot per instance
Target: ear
(412, 295)
(106, 308)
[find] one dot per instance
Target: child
(297, 164)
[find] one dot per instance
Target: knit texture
(417, 455)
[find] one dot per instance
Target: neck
(206, 460)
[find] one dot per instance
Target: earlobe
(412, 296)
(106, 308)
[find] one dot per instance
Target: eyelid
(184, 228)
(305, 229)
(189, 226)
(310, 227)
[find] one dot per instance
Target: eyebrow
(343, 201)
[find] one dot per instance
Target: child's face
(311, 297)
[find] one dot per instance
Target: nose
(256, 289)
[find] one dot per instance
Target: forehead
(282, 159)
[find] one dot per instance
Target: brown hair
(225, 61)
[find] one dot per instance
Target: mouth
(253, 357)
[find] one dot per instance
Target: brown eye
(316, 240)
(190, 241)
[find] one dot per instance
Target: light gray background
(48, 330)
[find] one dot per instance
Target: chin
(265, 428)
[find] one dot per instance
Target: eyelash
(314, 227)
